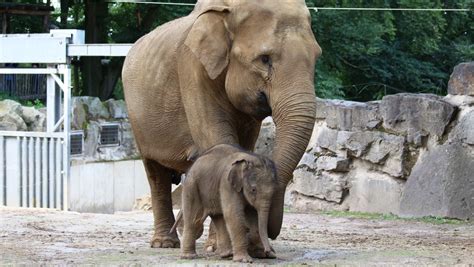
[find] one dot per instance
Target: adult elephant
(210, 78)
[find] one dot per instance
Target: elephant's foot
(257, 251)
(164, 241)
(188, 256)
(242, 258)
(225, 253)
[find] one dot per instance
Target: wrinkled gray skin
(224, 183)
(210, 78)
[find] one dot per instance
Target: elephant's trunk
(294, 116)
(262, 227)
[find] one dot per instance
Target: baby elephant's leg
(235, 221)
(224, 245)
(192, 210)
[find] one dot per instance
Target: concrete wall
(106, 187)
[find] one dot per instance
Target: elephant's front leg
(234, 217)
(256, 249)
(159, 179)
(224, 244)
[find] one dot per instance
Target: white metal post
(51, 102)
(66, 71)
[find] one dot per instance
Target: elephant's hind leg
(159, 179)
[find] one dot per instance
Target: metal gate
(33, 170)
(34, 166)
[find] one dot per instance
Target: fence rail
(23, 86)
(32, 171)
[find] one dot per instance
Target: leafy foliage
(374, 53)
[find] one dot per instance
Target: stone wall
(88, 113)
(408, 154)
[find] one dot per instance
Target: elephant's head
(255, 177)
(266, 52)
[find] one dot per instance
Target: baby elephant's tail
(178, 219)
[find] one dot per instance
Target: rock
(93, 107)
(91, 139)
(301, 203)
(441, 184)
(326, 139)
(464, 131)
(79, 115)
(385, 150)
(336, 164)
(308, 160)
(348, 115)
(373, 191)
(34, 119)
(459, 100)
(117, 109)
(266, 138)
(10, 116)
(324, 185)
(389, 151)
(416, 115)
(356, 143)
(143, 203)
(462, 79)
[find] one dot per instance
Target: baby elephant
(221, 184)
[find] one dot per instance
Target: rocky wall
(88, 114)
(408, 154)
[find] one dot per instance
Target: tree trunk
(64, 11)
(93, 73)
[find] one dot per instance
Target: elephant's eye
(266, 59)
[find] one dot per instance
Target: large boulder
(11, 116)
(462, 80)
(441, 184)
(464, 130)
(34, 119)
(416, 115)
(373, 191)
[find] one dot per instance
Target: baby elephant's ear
(236, 174)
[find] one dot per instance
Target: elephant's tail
(178, 219)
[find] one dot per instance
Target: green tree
(367, 54)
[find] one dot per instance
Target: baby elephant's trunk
(263, 226)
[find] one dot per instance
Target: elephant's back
(154, 50)
(152, 93)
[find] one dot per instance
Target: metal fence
(23, 86)
(32, 170)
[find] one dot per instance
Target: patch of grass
(379, 216)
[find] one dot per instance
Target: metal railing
(33, 170)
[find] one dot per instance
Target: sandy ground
(36, 236)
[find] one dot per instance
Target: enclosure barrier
(33, 170)
(35, 166)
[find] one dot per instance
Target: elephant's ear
(236, 174)
(209, 40)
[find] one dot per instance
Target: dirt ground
(38, 236)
